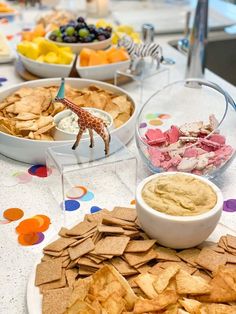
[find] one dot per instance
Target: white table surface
(16, 262)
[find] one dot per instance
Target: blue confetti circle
(33, 169)
(94, 209)
(71, 205)
(87, 197)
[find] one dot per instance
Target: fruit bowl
(77, 34)
(188, 126)
(46, 70)
(77, 47)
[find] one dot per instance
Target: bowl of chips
(27, 111)
(180, 210)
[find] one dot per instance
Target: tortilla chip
(81, 307)
(190, 305)
(222, 288)
(190, 284)
(145, 283)
(164, 278)
(159, 303)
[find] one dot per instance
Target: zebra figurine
(139, 51)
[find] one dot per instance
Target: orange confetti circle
(155, 122)
(43, 221)
(28, 239)
(164, 116)
(133, 202)
(28, 226)
(76, 192)
(13, 214)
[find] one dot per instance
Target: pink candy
(171, 152)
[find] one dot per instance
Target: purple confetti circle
(230, 205)
(143, 125)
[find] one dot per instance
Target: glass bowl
(188, 126)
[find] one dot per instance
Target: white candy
(187, 164)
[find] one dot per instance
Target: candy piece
(220, 139)
(213, 122)
(191, 152)
(175, 161)
(197, 172)
(191, 129)
(202, 163)
(155, 137)
(172, 135)
(187, 164)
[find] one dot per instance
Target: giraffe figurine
(86, 121)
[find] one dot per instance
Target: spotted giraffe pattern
(87, 121)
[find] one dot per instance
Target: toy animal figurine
(139, 51)
(86, 121)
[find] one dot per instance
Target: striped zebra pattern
(141, 50)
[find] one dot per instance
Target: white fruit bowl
(47, 70)
(101, 72)
(77, 47)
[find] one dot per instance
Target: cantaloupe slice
(84, 56)
(118, 56)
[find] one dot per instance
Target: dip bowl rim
(184, 219)
(66, 111)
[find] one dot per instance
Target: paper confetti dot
(230, 205)
(32, 169)
(87, 197)
(4, 222)
(164, 116)
(40, 237)
(143, 125)
(23, 177)
(3, 79)
(76, 192)
(156, 122)
(95, 209)
(151, 116)
(30, 230)
(28, 239)
(133, 202)
(13, 214)
(71, 205)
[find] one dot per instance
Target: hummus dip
(179, 195)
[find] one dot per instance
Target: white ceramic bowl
(32, 151)
(61, 135)
(178, 232)
(43, 69)
(101, 72)
(76, 48)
